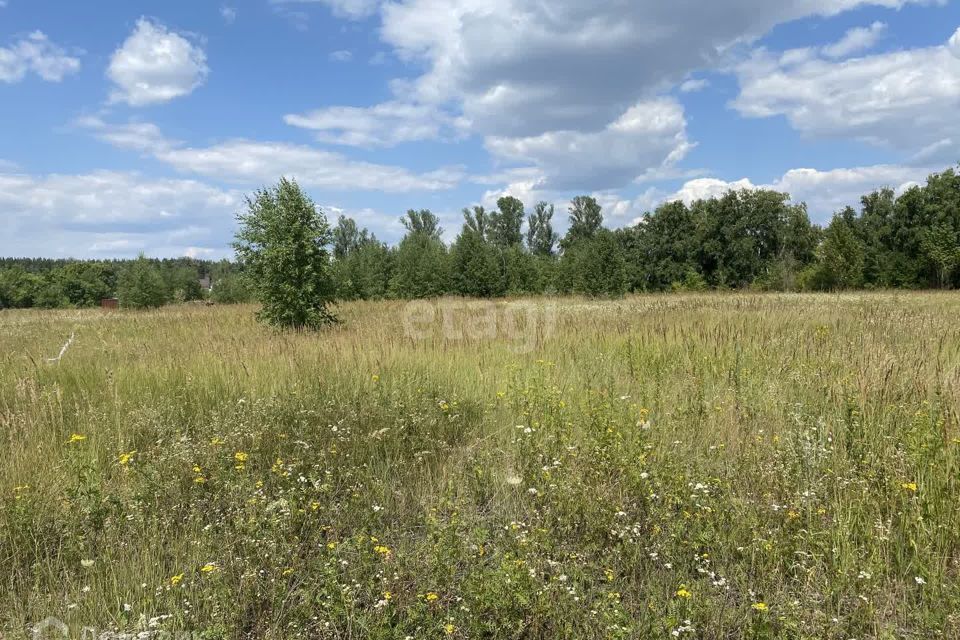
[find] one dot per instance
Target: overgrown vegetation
(752, 239)
(281, 245)
(692, 466)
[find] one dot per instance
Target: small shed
(109, 303)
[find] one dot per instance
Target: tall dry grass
(709, 466)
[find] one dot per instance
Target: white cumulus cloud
(905, 100)
(156, 65)
(36, 54)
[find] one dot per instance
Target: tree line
(145, 282)
(756, 239)
(753, 239)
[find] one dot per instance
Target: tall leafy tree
(586, 219)
(506, 222)
(281, 245)
(346, 237)
(141, 286)
(541, 238)
(841, 256)
(421, 266)
(423, 222)
(478, 220)
(476, 263)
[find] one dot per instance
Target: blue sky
(129, 126)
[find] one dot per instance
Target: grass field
(717, 466)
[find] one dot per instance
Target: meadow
(673, 466)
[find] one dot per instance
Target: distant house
(109, 303)
(206, 282)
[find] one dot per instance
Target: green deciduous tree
(586, 219)
(541, 238)
(506, 223)
(281, 245)
(141, 286)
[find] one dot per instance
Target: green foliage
(586, 219)
(281, 245)
(840, 261)
(421, 267)
(476, 266)
(231, 289)
(423, 222)
(506, 222)
(141, 286)
(601, 269)
(18, 288)
(541, 238)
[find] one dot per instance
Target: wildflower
(387, 595)
(241, 457)
(375, 378)
(920, 581)
(215, 441)
(331, 545)
(449, 629)
(382, 550)
(76, 437)
(86, 563)
(287, 571)
(432, 596)
(127, 458)
(208, 568)
(177, 579)
(683, 593)
(759, 606)
(909, 486)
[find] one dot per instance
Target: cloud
(694, 84)
(341, 56)
(229, 14)
(383, 125)
(351, 9)
(904, 100)
(650, 134)
(155, 65)
(856, 40)
(253, 163)
(36, 54)
(112, 213)
(525, 67)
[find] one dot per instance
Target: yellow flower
(432, 596)
(76, 437)
(241, 458)
(215, 441)
(759, 606)
(449, 629)
(382, 550)
(683, 593)
(199, 480)
(609, 574)
(287, 571)
(375, 378)
(208, 568)
(387, 595)
(909, 486)
(126, 458)
(331, 545)
(175, 580)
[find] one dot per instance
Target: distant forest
(748, 239)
